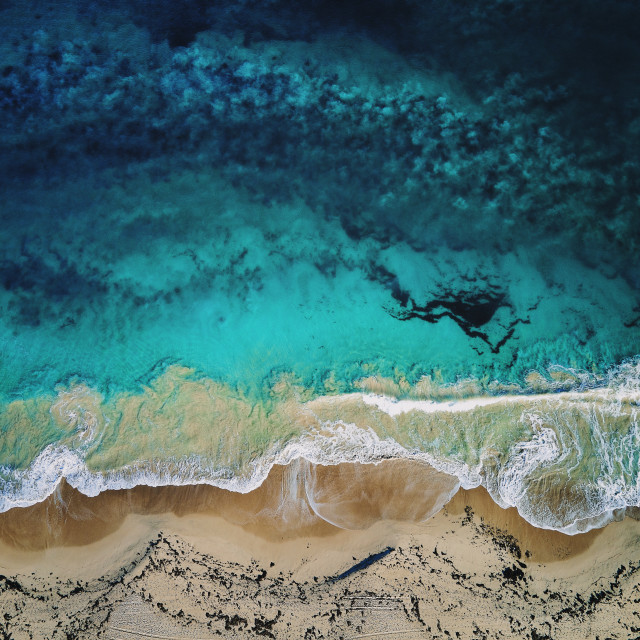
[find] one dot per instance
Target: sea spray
(336, 443)
(567, 461)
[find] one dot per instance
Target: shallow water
(218, 238)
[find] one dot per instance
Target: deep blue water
(329, 191)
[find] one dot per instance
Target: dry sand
(198, 562)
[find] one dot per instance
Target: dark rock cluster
(173, 590)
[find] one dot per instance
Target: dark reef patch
(470, 310)
(40, 286)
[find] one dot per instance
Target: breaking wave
(566, 461)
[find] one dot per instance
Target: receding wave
(568, 461)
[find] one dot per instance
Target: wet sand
(199, 562)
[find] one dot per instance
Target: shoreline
(348, 496)
(177, 562)
(460, 437)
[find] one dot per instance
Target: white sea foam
(335, 443)
(545, 457)
(394, 407)
(508, 480)
(525, 457)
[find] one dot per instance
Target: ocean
(243, 234)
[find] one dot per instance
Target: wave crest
(567, 461)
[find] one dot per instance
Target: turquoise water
(192, 271)
(207, 227)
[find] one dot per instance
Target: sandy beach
(319, 319)
(199, 562)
